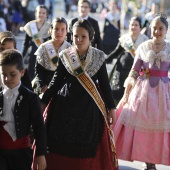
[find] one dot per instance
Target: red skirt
(102, 161)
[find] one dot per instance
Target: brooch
(19, 100)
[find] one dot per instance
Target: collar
(14, 90)
(86, 18)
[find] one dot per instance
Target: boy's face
(83, 9)
(6, 45)
(10, 75)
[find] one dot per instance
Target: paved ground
(124, 165)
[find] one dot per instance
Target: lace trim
(145, 53)
(130, 80)
(95, 59)
(127, 42)
(42, 33)
(142, 113)
(42, 57)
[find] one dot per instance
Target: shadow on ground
(126, 168)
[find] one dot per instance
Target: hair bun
(161, 14)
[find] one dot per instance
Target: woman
(77, 133)
(47, 54)
(124, 53)
(142, 131)
(111, 29)
(36, 33)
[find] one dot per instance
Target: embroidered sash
(51, 53)
(34, 32)
(75, 66)
(130, 46)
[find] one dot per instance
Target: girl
(36, 33)
(124, 53)
(47, 54)
(77, 133)
(142, 130)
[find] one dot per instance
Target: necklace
(82, 58)
(157, 45)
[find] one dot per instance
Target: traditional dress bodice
(147, 58)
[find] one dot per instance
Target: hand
(111, 116)
(44, 89)
(125, 98)
(126, 93)
(40, 163)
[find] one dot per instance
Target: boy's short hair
(13, 58)
(7, 35)
(86, 1)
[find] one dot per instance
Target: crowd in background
(66, 68)
(15, 13)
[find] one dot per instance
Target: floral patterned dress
(142, 131)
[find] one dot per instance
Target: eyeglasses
(85, 7)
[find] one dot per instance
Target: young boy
(8, 41)
(19, 109)
(84, 7)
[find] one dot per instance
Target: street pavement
(123, 165)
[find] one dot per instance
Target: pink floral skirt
(142, 129)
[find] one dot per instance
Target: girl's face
(41, 14)
(158, 30)
(134, 27)
(81, 39)
(59, 31)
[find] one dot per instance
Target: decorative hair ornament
(161, 15)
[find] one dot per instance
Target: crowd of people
(64, 111)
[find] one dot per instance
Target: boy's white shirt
(9, 96)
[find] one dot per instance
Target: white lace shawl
(42, 33)
(43, 59)
(145, 53)
(126, 39)
(94, 60)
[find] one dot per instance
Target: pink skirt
(142, 129)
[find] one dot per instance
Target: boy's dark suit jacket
(97, 43)
(27, 112)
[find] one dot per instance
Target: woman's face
(59, 31)
(81, 39)
(158, 30)
(41, 14)
(134, 27)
